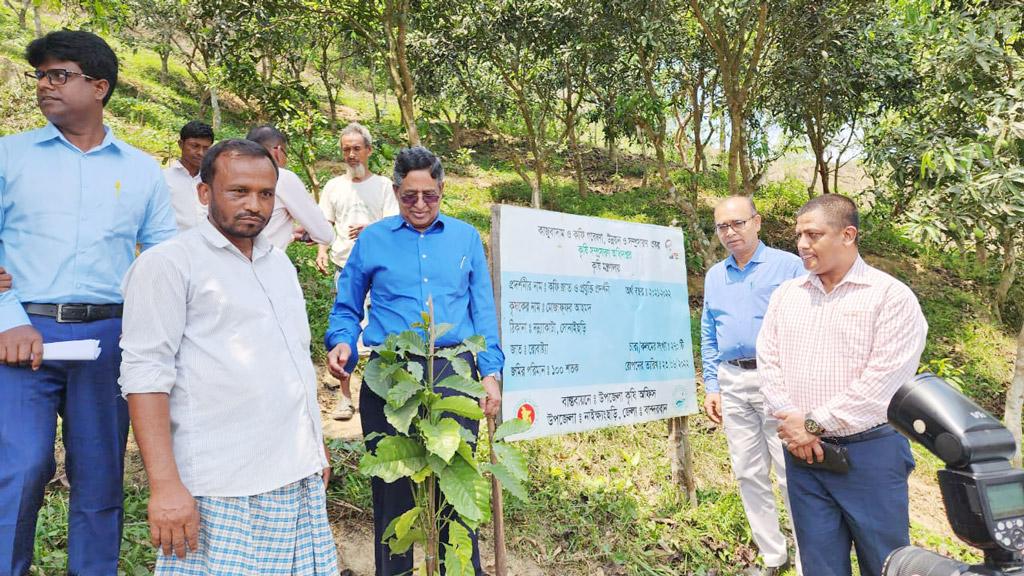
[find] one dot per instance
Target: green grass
(50, 554)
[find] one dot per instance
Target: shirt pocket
(120, 214)
(856, 331)
(453, 277)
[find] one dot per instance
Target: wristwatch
(812, 426)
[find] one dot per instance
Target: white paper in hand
(72, 350)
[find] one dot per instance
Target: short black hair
(416, 158)
(234, 147)
(839, 210)
(196, 129)
(267, 136)
(86, 49)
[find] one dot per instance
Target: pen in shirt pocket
(462, 262)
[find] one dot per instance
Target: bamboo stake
(497, 509)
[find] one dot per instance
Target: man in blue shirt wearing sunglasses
(404, 260)
(75, 202)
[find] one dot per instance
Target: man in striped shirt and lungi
(834, 347)
(222, 391)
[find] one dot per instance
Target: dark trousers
(392, 500)
(867, 507)
(95, 429)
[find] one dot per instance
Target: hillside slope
(602, 502)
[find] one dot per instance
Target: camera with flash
(982, 493)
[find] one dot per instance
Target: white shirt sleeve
(390, 203)
(326, 204)
(303, 209)
(155, 293)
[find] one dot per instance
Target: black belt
(744, 363)
(869, 434)
(69, 313)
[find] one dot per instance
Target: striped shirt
(839, 357)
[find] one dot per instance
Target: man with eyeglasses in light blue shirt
(403, 261)
(74, 204)
(736, 294)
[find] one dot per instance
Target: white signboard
(595, 321)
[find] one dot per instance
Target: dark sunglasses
(429, 198)
(56, 76)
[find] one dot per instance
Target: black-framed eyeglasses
(410, 198)
(736, 225)
(56, 76)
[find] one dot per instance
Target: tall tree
(514, 43)
(955, 157)
(386, 27)
(738, 32)
(855, 62)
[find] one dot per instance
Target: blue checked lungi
(284, 531)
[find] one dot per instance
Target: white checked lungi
(281, 532)
(754, 449)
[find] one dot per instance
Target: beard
(358, 172)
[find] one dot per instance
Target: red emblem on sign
(526, 412)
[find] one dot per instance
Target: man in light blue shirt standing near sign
(736, 294)
(74, 203)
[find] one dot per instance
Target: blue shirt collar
(438, 223)
(757, 257)
(51, 132)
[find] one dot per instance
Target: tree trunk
(658, 142)
(455, 126)
(681, 457)
(165, 72)
(817, 142)
(324, 70)
(215, 106)
(835, 174)
(679, 139)
(1007, 275)
(22, 13)
(395, 30)
(37, 19)
(535, 197)
(697, 120)
(577, 157)
(721, 134)
(373, 88)
(1015, 397)
(571, 109)
(735, 149)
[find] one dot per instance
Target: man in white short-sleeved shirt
(351, 202)
(182, 175)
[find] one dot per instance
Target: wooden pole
(681, 457)
(497, 509)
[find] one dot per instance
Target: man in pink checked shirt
(834, 347)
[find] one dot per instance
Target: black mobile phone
(836, 459)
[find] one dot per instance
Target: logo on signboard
(526, 412)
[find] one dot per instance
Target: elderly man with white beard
(351, 202)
